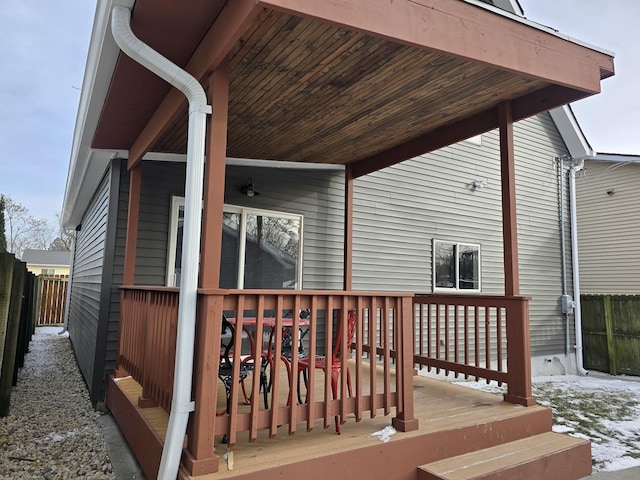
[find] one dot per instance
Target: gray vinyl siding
(317, 195)
(609, 228)
(398, 211)
(538, 145)
(86, 288)
(160, 182)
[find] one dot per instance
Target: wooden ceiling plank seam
(251, 94)
(314, 101)
(464, 30)
(524, 108)
(278, 121)
(353, 153)
(404, 100)
(308, 81)
(276, 85)
(259, 48)
(368, 88)
(313, 74)
(441, 137)
(219, 40)
(251, 35)
(411, 82)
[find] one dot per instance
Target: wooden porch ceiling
(368, 83)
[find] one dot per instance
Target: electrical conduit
(181, 404)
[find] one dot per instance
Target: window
(260, 248)
(48, 271)
(456, 266)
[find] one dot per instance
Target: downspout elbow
(181, 404)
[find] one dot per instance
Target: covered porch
(360, 84)
(476, 337)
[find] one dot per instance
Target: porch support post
(509, 222)
(131, 243)
(199, 457)
(405, 421)
(348, 229)
(518, 347)
(214, 178)
(518, 335)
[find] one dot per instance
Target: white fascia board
(246, 162)
(571, 133)
(101, 61)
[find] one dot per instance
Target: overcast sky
(43, 49)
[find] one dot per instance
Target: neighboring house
(47, 262)
(608, 204)
(330, 115)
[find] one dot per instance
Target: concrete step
(548, 456)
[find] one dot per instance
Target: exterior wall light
(249, 188)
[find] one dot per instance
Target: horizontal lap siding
(538, 142)
(86, 286)
(318, 195)
(609, 226)
(398, 211)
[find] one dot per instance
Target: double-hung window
(456, 266)
(260, 248)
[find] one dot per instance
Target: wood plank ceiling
(308, 85)
(306, 91)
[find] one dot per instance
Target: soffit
(309, 90)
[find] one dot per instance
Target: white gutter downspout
(577, 164)
(181, 404)
(72, 265)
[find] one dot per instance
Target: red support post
(199, 457)
(405, 421)
(519, 353)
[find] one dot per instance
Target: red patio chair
(320, 361)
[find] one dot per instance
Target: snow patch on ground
(598, 407)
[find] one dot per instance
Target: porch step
(548, 456)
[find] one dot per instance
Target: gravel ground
(52, 430)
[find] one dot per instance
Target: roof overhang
(363, 82)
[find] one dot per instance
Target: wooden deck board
(439, 406)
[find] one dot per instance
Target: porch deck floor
(438, 405)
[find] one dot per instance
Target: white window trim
(177, 202)
(457, 266)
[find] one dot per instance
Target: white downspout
(181, 404)
(67, 307)
(576, 165)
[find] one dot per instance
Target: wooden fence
(52, 298)
(611, 333)
(17, 322)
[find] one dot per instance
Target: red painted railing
(147, 341)
(472, 336)
(480, 336)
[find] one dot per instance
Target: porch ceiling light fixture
(249, 188)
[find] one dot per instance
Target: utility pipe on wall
(563, 250)
(576, 165)
(181, 404)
